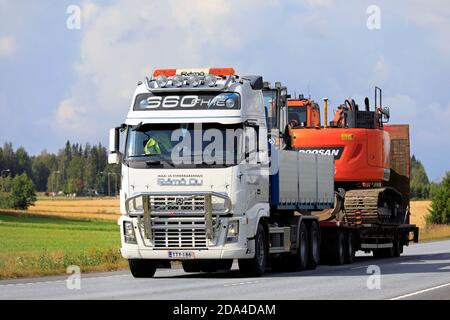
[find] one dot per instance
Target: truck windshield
(297, 117)
(184, 145)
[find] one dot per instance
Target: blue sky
(58, 84)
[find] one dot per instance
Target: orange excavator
(371, 158)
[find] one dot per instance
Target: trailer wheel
(350, 248)
(314, 246)
(338, 249)
(142, 268)
(299, 261)
(256, 266)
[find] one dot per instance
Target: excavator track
(367, 206)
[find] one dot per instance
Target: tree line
(75, 169)
(83, 171)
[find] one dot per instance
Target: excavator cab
(303, 113)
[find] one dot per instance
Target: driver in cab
(158, 143)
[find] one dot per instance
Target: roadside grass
(427, 232)
(58, 232)
(40, 245)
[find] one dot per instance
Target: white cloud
(381, 70)
(319, 3)
(302, 44)
(7, 46)
(70, 116)
(433, 15)
(121, 44)
(428, 123)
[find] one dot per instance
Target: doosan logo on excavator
(332, 151)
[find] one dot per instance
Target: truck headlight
(128, 231)
(233, 231)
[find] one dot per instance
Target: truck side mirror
(114, 156)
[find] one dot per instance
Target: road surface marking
(421, 291)
(56, 281)
(241, 283)
(445, 268)
(447, 261)
(360, 267)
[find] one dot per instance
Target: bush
(440, 207)
(23, 192)
(4, 201)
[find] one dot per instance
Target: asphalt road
(422, 272)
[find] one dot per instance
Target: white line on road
(56, 281)
(241, 283)
(360, 267)
(421, 291)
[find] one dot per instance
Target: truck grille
(194, 204)
(179, 233)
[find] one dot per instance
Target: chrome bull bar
(165, 210)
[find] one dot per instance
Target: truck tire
(191, 266)
(256, 266)
(314, 247)
(337, 254)
(142, 268)
(349, 248)
(299, 261)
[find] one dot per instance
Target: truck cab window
(297, 116)
(185, 145)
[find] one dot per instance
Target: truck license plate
(181, 255)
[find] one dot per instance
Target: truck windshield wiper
(157, 159)
(137, 127)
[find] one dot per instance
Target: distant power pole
(109, 187)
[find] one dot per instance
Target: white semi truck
(206, 179)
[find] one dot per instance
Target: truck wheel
(190, 266)
(256, 266)
(299, 261)
(314, 246)
(142, 268)
(350, 248)
(338, 249)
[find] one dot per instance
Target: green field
(38, 245)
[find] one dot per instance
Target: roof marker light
(222, 71)
(165, 72)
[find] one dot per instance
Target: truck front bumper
(210, 253)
